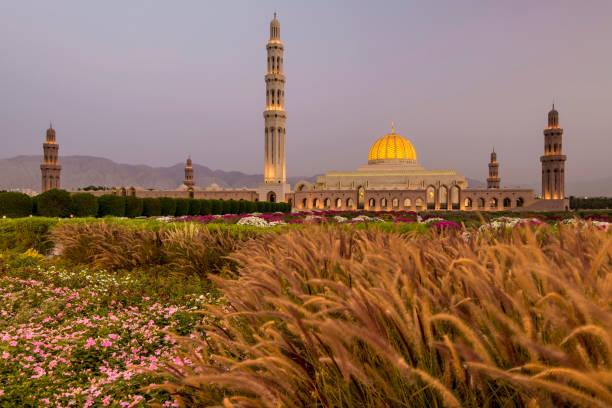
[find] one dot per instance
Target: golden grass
(330, 317)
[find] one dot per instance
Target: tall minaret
(49, 168)
(493, 180)
(189, 182)
(274, 115)
(553, 160)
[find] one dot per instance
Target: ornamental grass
(328, 317)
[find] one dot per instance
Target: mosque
(392, 179)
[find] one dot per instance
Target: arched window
(338, 202)
(555, 148)
(507, 202)
(383, 203)
(493, 202)
(520, 202)
(349, 203)
(371, 203)
(467, 203)
(395, 203)
(454, 197)
(327, 203)
(419, 204)
(443, 197)
(481, 202)
(407, 203)
(315, 203)
(304, 203)
(360, 197)
(430, 197)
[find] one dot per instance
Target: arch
(493, 202)
(338, 202)
(123, 192)
(371, 203)
(454, 197)
(304, 203)
(302, 186)
(132, 191)
(520, 202)
(383, 202)
(430, 197)
(191, 192)
(481, 202)
(507, 202)
(407, 203)
(467, 203)
(349, 203)
(419, 204)
(315, 203)
(443, 197)
(327, 202)
(360, 198)
(271, 197)
(395, 203)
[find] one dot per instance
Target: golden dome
(392, 147)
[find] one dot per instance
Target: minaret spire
(392, 128)
(50, 170)
(553, 160)
(493, 180)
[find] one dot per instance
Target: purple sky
(149, 82)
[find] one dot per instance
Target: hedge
(133, 206)
(194, 207)
(84, 205)
(168, 206)
(110, 204)
(15, 205)
(182, 207)
(55, 203)
(151, 207)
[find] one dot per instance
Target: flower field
(78, 337)
(307, 309)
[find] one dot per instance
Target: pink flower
(90, 342)
(13, 343)
(106, 401)
(5, 355)
(106, 343)
(113, 336)
(1, 392)
(59, 315)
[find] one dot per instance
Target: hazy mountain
(82, 171)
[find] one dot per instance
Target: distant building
(49, 169)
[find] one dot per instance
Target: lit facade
(50, 169)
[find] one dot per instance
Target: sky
(150, 82)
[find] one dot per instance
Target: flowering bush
(84, 338)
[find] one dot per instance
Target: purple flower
(440, 225)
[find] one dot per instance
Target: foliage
(168, 206)
(110, 204)
(333, 317)
(590, 202)
(54, 203)
(24, 233)
(84, 205)
(194, 206)
(182, 206)
(133, 206)
(14, 204)
(151, 207)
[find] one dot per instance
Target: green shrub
(151, 207)
(168, 206)
(133, 206)
(14, 204)
(182, 207)
(194, 206)
(55, 203)
(205, 207)
(22, 234)
(234, 207)
(216, 206)
(110, 204)
(84, 205)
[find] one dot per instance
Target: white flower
(253, 221)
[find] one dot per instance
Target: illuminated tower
(493, 179)
(275, 173)
(49, 169)
(188, 173)
(553, 160)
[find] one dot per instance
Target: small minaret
(188, 173)
(553, 160)
(49, 169)
(493, 179)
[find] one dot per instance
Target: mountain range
(23, 172)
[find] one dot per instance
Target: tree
(84, 205)
(151, 207)
(133, 206)
(55, 203)
(110, 204)
(14, 204)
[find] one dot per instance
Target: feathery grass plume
(332, 317)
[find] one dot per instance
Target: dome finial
(50, 125)
(392, 128)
